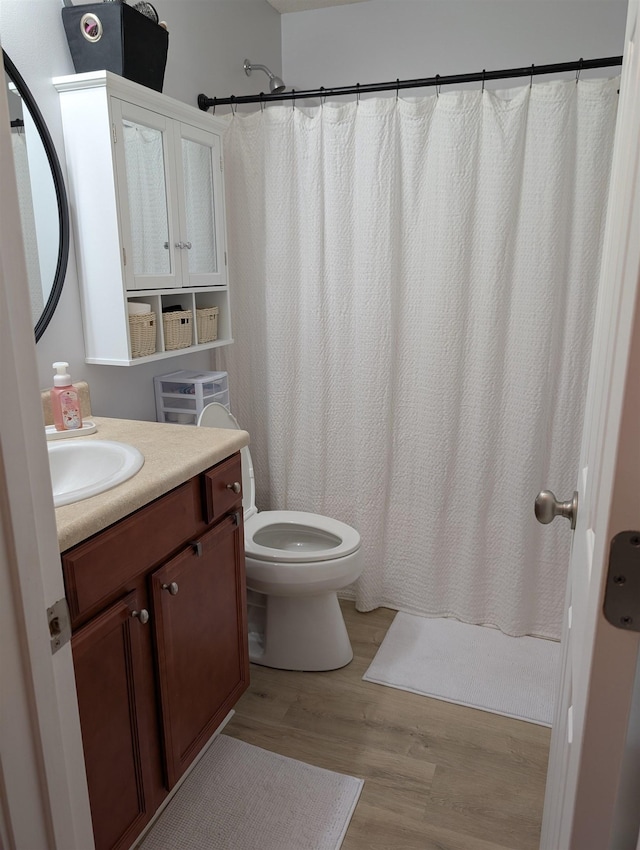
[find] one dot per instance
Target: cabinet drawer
(220, 495)
(101, 569)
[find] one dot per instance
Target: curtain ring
(484, 70)
(397, 88)
(579, 70)
(531, 78)
(357, 94)
(323, 96)
(214, 106)
(437, 85)
(261, 101)
(293, 100)
(234, 106)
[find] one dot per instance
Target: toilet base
(305, 633)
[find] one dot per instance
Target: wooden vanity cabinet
(201, 639)
(159, 645)
(123, 769)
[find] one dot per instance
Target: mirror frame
(61, 195)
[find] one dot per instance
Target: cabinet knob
(236, 487)
(142, 615)
(187, 245)
(179, 244)
(172, 588)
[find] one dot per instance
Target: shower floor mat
(476, 666)
(241, 797)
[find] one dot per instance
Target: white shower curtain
(414, 284)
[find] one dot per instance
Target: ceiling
(283, 6)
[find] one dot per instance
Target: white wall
(208, 42)
(371, 41)
(382, 40)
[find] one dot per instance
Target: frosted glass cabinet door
(143, 146)
(199, 177)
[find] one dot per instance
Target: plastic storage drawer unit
(181, 396)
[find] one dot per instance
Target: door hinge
(124, 256)
(221, 164)
(114, 133)
(59, 624)
(622, 594)
(225, 258)
(236, 517)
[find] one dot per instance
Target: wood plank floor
(436, 775)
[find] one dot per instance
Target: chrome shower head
(276, 85)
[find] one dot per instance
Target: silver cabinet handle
(172, 588)
(142, 615)
(236, 487)
(547, 508)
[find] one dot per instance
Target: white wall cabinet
(147, 198)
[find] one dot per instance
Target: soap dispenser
(65, 401)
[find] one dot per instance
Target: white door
(43, 792)
(585, 805)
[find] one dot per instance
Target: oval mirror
(44, 212)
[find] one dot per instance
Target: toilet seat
(310, 538)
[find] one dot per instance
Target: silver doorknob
(142, 615)
(236, 487)
(172, 588)
(547, 508)
(179, 244)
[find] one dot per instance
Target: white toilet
(296, 562)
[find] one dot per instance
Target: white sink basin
(82, 468)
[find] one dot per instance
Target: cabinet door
(107, 657)
(145, 174)
(199, 176)
(199, 602)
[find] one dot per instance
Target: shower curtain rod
(205, 102)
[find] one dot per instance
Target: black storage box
(115, 37)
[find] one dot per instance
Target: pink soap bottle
(65, 401)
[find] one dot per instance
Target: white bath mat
(241, 797)
(471, 665)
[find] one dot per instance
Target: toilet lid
(216, 415)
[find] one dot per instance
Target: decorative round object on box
(91, 27)
(147, 10)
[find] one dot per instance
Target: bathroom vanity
(154, 578)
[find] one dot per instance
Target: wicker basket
(207, 323)
(142, 330)
(177, 329)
